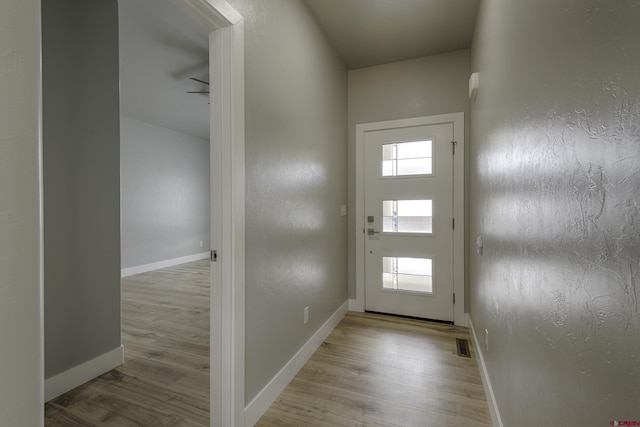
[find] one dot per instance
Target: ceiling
(372, 32)
(161, 47)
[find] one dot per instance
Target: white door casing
(227, 320)
(409, 210)
(368, 129)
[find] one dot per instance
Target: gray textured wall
(555, 179)
(296, 162)
(81, 166)
(419, 87)
(20, 320)
(164, 193)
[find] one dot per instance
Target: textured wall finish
(555, 181)
(165, 193)
(419, 87)
(20, 241)
(296, 163)
(81, 167)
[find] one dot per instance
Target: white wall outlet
(200, 243)
(306, 314)
(486, 339)
(343, 210)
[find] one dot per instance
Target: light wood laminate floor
(373, 370)
(376, 370)
(165, 378)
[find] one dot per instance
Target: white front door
(408, 208)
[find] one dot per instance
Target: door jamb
(227, 315)
(457, 119)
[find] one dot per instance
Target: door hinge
(214, 256)
(454, 297)
(453, 146)
(453, 223)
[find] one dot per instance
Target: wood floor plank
(360, 375)
(295, 414)
(401, 394)
(165, 378)
(96, 407)
(388, 371)
(386, 345)
(372, 370)
(361, 408)
(439, 367)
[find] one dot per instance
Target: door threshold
(444, 322)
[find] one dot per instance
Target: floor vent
(463, 347)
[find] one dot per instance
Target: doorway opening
(225, 82)
(224, 51)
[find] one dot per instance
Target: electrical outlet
(200, 243)
(486, 339)
(306, 314)
(343, 210)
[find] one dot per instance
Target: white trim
(213, 14)
(458, 203)
(130, 271)
(236, 220)
(217, 389)
(78, 375)
(227, 230)
(40, 296)
(272, 390)
(486, 382)
(355, 306)
(227, 319)
(467, 319)
(459, 316)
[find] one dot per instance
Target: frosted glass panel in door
(407, 274)
(407, 158)
(407, 216)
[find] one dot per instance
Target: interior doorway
(226, 135)
(224, 51)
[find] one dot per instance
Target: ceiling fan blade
(199, 81)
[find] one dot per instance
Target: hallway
(379, 370)
(372, 370)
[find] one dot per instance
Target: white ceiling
(161, 47)
(373, 32)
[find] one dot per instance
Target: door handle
(371, 232)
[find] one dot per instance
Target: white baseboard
(130, 271)
(78, 375)
(355, 305)
(466, 320)
(486, 382)
(259, 405)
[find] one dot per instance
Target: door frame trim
(227, 139)
(457, 119)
